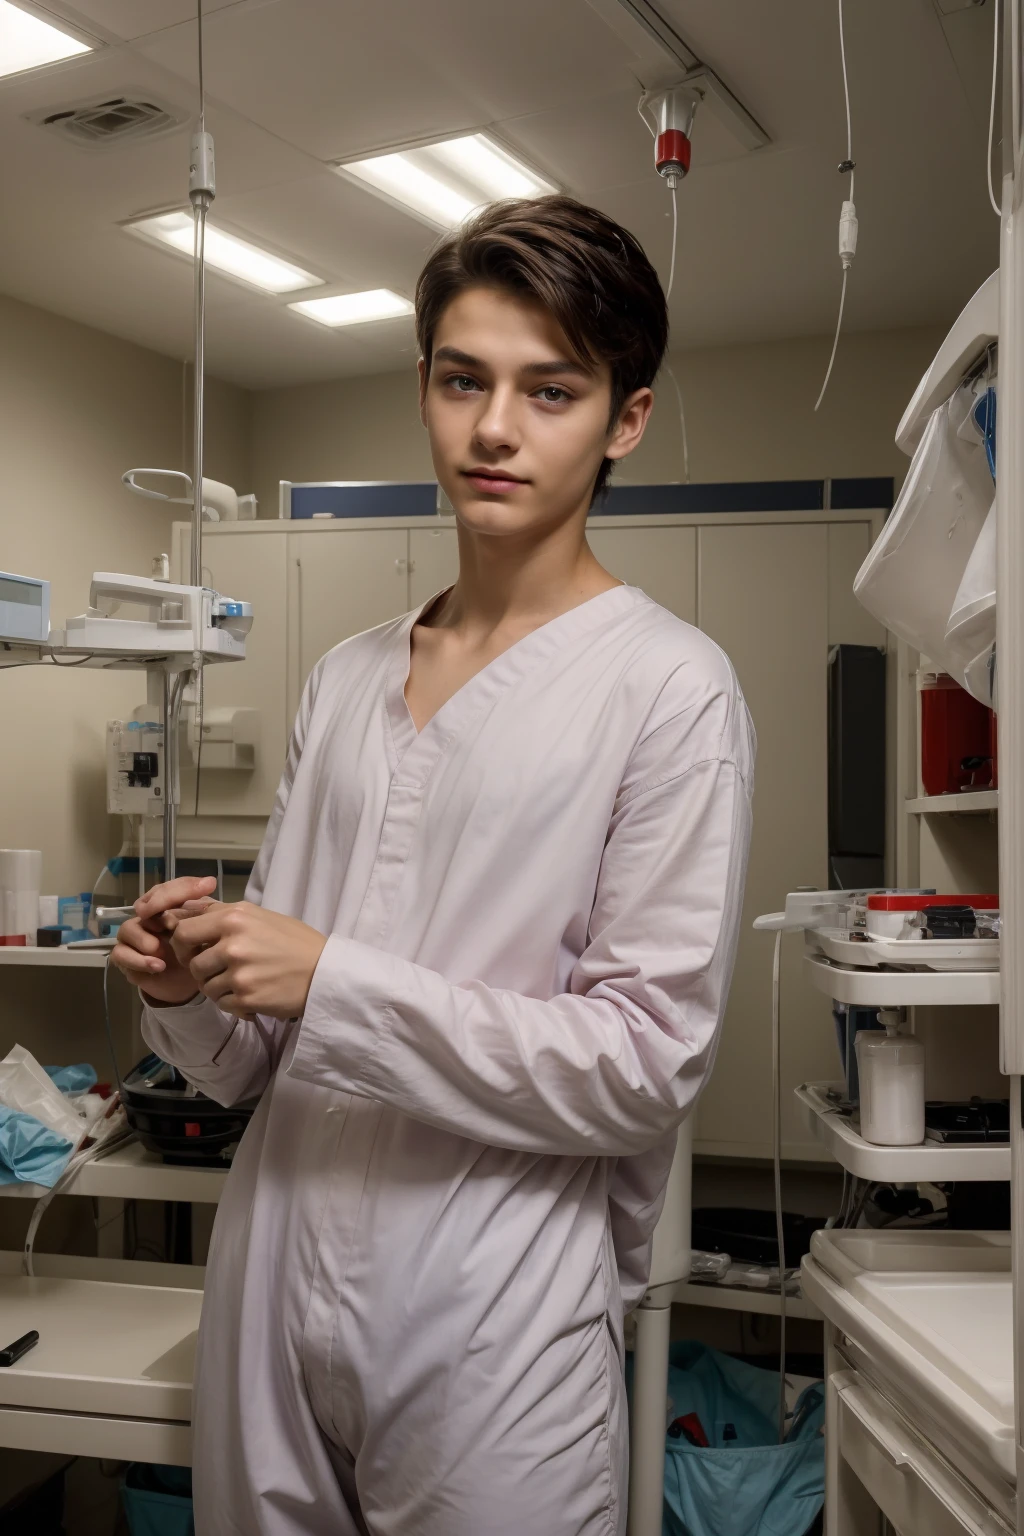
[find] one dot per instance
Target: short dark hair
(587, 271)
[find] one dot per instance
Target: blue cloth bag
(748, 1485)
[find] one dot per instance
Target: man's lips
(492, 480)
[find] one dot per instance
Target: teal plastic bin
(745, 1483)
(158, 1500)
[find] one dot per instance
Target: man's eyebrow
(559, 365)
(453, 355)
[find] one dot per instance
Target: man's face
(518, 426)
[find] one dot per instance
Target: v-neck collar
(518, 659)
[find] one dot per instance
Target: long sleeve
(227, 1058)
(613, 1064)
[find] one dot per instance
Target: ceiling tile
(340, 81)
(136, 18)
(342, 231)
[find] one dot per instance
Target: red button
(192, 1128)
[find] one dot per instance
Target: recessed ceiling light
(238, 258)
(444, 183)
(27, 42)
(355, 308)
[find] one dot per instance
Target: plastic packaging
(971, 631)
(709, 1266)
(891, 1069)
(913, 572)
(26, 1087)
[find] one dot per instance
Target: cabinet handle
(403, 566)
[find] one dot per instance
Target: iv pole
(201, 191)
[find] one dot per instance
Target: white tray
(879, 988)
(928, 954)
(931, 1162)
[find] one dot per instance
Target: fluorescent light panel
(445, 183)
(238, 258)
(26, 42)
(355, 308)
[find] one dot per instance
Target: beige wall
(77, 408)
(749, 416)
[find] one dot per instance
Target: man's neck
(509, 585)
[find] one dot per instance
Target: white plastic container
(20, 879)
(891, 1072)
(896, 925)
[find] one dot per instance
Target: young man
(480, 971)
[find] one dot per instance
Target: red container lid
(985, 903)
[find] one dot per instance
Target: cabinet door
(250, 567)
(661, 561)
(341, 581)
(764, 598)
(433, 562)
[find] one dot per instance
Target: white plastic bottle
(891, 1071)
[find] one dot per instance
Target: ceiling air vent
(114, 120)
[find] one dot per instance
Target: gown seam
(612, 1503)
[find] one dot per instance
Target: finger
(133, 935)
(135, 966)
(205, 964)
(206, 927)
(174, 893)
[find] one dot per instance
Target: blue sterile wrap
(30, 1153)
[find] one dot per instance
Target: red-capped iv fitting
(670, 116)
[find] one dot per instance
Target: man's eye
(553, 394)
(462, 383)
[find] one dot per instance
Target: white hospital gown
(445, 1199)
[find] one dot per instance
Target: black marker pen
(20, 1347)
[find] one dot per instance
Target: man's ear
(421, 368)
(632, 422)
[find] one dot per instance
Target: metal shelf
(930, 1163)
(32, 954)
(901, 989)
(132, 1173)
(976, 800)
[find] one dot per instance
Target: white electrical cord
(846, 94)
(777, 1163)
(142, 855)
(992, 113)
(848, 214)
(835, 340)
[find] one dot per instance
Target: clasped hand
(247, 959)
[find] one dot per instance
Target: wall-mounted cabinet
(774, 590)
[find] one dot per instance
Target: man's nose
(497, 424)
